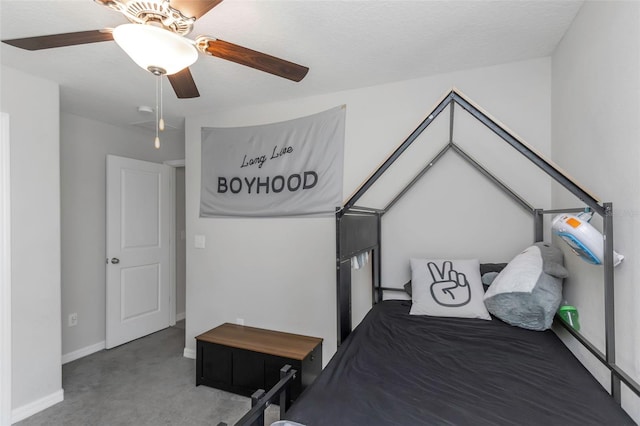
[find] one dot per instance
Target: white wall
(596, 129)
(5, 271)
(280, 273)
(84, 145)
(32, 104)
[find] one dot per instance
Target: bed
(401, 369)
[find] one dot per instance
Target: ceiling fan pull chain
(161, 122)
(157, 140)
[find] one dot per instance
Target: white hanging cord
(157, 140)
(161, 122)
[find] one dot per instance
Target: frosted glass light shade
(153, 47)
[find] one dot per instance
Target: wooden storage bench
(243, 359)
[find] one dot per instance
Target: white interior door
(138, 248)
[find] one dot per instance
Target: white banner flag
(280, 169)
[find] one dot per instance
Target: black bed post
(375, 286)
(255, 400)
(376, 256)
(344, 299)
(343, 286)
(609, 300)
(538, 225)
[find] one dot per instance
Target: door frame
(117, 331)
(172, 239)
(5, 274)
(172, 236)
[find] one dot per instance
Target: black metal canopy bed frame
(396, 368)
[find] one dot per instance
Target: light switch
(199, 241)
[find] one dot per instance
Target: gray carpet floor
(144, 382)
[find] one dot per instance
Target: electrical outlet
(73, 319)
(240, 321)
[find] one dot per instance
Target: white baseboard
(181, 316)
(34, 407)
(80, 353)
(189, 353)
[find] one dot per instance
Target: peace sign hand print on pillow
(449, 288)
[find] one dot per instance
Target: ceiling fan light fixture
(154, 48)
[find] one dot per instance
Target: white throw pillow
(447, 288)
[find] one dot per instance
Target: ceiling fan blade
(60, 40)
(183, 84)
(194, 8)
(251, 58)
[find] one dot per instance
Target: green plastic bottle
(569, 314)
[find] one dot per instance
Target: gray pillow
(528, 291)
(488, 278)
(491, 267)
(407, 287)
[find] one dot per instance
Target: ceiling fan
(155, 40)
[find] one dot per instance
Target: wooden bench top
(287, 345)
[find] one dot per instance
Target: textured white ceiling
(346, 44)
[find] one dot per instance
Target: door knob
(115, 260)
